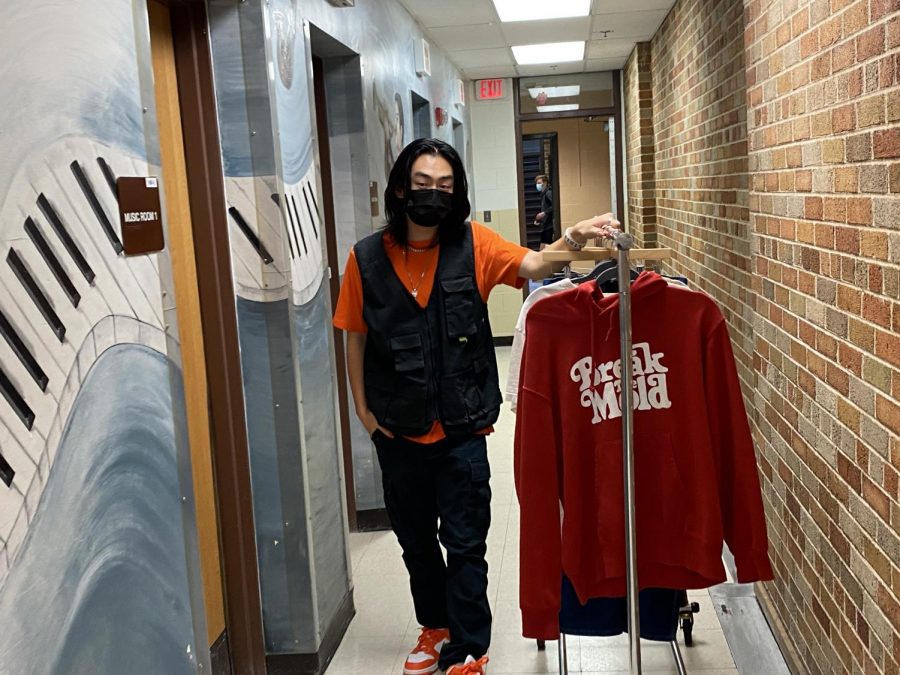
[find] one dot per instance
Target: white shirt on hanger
(518, 345)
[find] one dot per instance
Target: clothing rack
(601, 253)
(623, 250)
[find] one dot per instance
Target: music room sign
(140, 215)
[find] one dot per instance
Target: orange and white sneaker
(423, 660)
(470, 667)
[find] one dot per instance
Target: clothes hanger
(608, 280)
(599, 269)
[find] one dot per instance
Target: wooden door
(187, 298)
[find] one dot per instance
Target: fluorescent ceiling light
(557, 108)
(550, 52)
(532, 10)
(556, 92)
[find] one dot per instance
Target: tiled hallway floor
(384, 628)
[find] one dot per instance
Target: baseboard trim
(292, 664)
(335, 634)
(779, 631)
(315, 664)
(503, 341)
(220, 655)
(372, 520)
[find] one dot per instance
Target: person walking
(545, 217)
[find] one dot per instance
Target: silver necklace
(414, 249)
(415, 287)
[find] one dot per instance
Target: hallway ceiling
(475, 39)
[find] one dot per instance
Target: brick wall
(699, 120)
(824, 145)
(641, 168)
(802, 98)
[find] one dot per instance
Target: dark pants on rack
(658, 608)
(447, 482)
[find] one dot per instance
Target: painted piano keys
(62, 273)
(265, 266)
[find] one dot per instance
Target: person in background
(545, 217)
(423, 373)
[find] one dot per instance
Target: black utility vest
(436, 363)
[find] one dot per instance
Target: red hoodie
(695, 469)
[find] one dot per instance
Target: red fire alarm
(440, 116)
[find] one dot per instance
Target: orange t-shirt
(497, 261)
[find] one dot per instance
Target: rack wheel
(687, 611)
(687, 626)
(542, 646)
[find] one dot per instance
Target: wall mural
(390, 116)
(282, 307)
(97, 539)
(76, 316)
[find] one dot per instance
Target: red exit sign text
(488, 90)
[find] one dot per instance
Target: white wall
(495, 189)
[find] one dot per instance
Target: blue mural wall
(263, 70)
(85, 330)
(99, 570)
(99, 583)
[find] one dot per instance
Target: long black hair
(401, 180)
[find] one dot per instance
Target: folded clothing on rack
(605, 617)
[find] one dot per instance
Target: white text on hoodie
(601, 387)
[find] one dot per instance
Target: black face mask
(428, 208)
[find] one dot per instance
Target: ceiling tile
(609, 48)
(461, 38)
(550, 69)
(598, 65)
(474, 58)
(431, 13)
(637, 25)
(471, 34)
(538, 32)
(483, 73)
(617, 6)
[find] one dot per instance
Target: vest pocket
(459, 307)
(462, 394)
(408, 353)
(408, 393)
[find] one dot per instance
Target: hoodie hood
(605, 314)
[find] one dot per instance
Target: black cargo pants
(441, 492)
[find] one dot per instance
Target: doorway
(341, 138)
(540, 153)
(459, 139)
(328, 206)
(583, 111)
(201, 268)
(421, 116)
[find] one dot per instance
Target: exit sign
(489, 90)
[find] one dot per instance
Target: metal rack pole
(679, 661)
(624, 244)
(563, 655)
